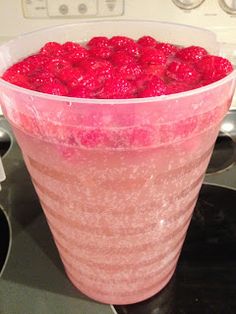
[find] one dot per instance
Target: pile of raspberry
(117, 67)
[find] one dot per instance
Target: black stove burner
(4, 239)
(5, 142)
(223, 155)
(205, 279)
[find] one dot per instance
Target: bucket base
(116, 300)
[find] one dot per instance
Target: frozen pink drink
(117, 179)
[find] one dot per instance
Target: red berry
(55, 65)
(37, 62)
(132, 49)
(147, 41)
(204, 83)
(154, 69)
(102, 66)
(54, 88)
(121, 57)
(142, 136)
(117, 42)
(141, 82)
(51, 49)
(191, 54)
(90, 81)
(70, 46)
(87, 63)
(214, 68)
(182, 72)
(150, 55)
(77, 78)
(100, 52)
(168, 49)
(37, 59)
(174, 87)
(154, 87)
(100, 41)
(103, 69)
(41, 78)
(129, 71)
(17, 79)
(81, 92)
(92, 138)
(71, 76)
(117, 88)
(76, 56)
(22, 67)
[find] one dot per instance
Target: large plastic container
(118, 211)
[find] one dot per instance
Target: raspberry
(191, 54)
(57, 64)
(70, 46)
(142, 81)
(88, 63)
(92, 138)
(204, 83)
(71, 76)
(22, 67)
(81, 92)
(117, 42)
(17, 79)
(38, 79)
(132, 49)
(54, 88)
(100, 41)
(150, 55)
(129, 71)
(154, 69)
(51, 49)
(37, 62)
(214, 68)
(76, 56)
(182, 72)
(37, 59)
(121, 57)
(125, 44)
(90, 81)
(77, 78)
(142, 136)
(168, 49)
(186, 127)
(154, 87)
(103, 69)
(176, 87)
(117, 88)
(100, 52)
(147, 41)
(105, 75)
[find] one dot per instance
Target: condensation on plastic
(109, 114)
(118, 214)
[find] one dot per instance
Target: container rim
(91, 101)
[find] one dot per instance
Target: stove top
(205, 278)
(204, 281)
